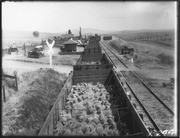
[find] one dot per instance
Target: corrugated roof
(70, 41)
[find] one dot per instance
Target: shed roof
(70, 41)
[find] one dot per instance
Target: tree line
(165, 39)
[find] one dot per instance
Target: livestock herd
(91, 111)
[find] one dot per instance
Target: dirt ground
(20, 63)
(9, 66)
(57, 59)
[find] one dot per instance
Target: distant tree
(85, 38)
(36, 33)
(69, 31)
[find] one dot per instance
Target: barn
(70, 45)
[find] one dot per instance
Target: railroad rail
(113, 57)
(133, 73)
(156, 110)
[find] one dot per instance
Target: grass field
(165, 37)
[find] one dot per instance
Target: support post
(15, 75)
(4, 96)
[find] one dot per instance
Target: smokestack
(80, 33)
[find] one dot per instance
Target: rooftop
(67, 36)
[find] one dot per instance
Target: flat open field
(152, 47)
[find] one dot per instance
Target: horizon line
(62, 32)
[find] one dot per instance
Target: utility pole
(24, 47)
(80, 36)
(3, 88)
(15, 75)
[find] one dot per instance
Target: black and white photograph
(89, 68)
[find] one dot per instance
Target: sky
(114, 16)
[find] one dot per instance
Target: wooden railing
(70, 53)
(86, 67)
(59, 105)
(79, 61)
(137, 120)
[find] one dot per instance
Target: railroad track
(160, 115)
(114, 58)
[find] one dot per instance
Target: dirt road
(9, 66)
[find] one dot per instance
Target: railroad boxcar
(94, 69)
(107, 38)
(127, 50)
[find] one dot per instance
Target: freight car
(107, 38)
(93, 101)
(127, 50)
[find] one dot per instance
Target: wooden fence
(3, 85)
(70, 53)
(96, 66)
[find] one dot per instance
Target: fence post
(4, 96)
(15, 75)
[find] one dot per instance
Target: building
(70, 46)
(67, 36)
